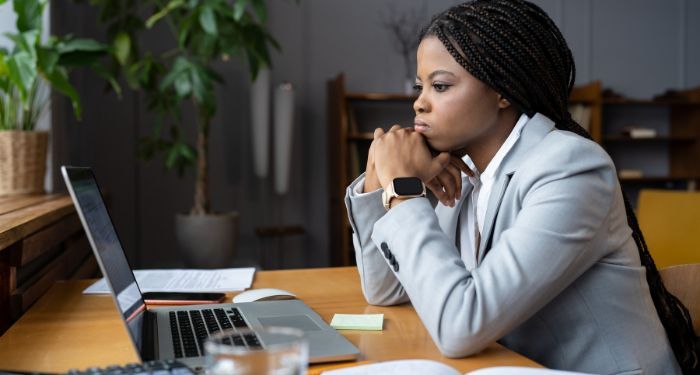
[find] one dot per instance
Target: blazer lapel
(533, 132)
(448, 216)
(494, 205)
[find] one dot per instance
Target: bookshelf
(352, 119)
(666, 156)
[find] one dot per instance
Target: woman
(534, 245)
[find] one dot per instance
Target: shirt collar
(507, 145)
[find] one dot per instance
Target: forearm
(379, 285)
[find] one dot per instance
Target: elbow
(454, 348)
(460, 342)
(385, 297)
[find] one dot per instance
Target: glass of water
(264, 351)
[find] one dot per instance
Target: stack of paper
(186, 280)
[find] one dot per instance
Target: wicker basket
(22, 162)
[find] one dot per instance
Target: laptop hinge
(148, 337)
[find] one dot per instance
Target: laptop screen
(108, 250)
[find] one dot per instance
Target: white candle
(284, 123)
(260, 121)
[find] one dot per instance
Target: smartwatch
(403, 187)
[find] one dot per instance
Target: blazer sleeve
(379, 285)
(544, 251)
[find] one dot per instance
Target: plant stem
(201, 187)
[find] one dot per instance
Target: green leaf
(239, 9)
(59, 80)
(3, 66)
(107, 76)
(122, 47)
(22, 71)
(3, 2)
(199, 82)
(173, 4)
(47, 59)
(80, 45)
(180, 67)
(25, 41)
(207, 20)
(260, 10)
(29, 14)
(183, 86)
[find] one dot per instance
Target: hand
(371, 179)
(404, 153)
(447, 186)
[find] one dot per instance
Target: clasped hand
(402, 152)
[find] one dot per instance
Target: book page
(402, 367)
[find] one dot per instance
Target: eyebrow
(438, 72)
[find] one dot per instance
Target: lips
(420, 126)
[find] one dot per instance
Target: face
(454, 110)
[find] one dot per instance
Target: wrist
(402, 188)
(396, 201)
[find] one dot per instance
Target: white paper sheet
(186, 280)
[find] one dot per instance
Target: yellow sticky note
(365, 322)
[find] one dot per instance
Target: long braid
(516, 49)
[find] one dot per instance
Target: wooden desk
(68, 330)
(41, 241)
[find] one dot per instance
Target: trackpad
(301, 322)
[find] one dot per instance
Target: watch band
(390, 193)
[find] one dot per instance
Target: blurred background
(638, 49)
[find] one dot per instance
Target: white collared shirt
(474, 214)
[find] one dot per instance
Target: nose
(420, 105)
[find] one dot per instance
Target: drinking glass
(263, 351)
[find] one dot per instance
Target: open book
(424, 366)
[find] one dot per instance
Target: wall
(637, 47)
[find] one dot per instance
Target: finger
(448, 184)
(435, 186)
(456, 176)
(461, 165)
(395, 128)
(438, 163)
(378, 132)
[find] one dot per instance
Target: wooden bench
(41, 241)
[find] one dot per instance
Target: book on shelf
(630, 173)
(581, 113)
(637, 132)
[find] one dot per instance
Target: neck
(482, 150)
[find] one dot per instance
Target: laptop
(179, 332)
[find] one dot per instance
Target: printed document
(186, 280)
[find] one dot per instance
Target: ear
(503, 103)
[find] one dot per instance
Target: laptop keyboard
(161, 367)
(190, 328)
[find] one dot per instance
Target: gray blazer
(559, 278)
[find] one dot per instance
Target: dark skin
(456, 115)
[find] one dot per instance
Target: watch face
(408, 186)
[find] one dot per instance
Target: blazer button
(396, 267)
(385, 250)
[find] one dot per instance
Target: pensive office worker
(532, 242)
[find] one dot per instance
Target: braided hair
(517, 50)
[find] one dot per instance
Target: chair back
(683, 281)
(670, 222)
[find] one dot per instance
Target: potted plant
(203, 32)
(25, 73)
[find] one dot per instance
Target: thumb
(438, 164)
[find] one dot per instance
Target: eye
(417, 88)
(440, 87)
